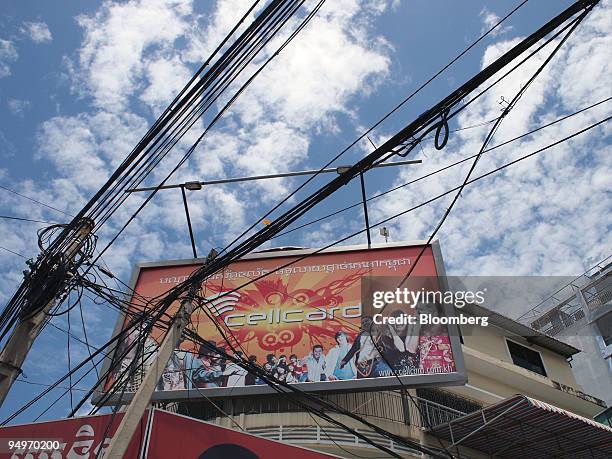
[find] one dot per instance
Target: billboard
(73, 438)
(160, 435)
(307, 321)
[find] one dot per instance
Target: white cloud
(7, 149)
(165, 78)
(84, 148)
(18, 107)
(547, 215)
(489, 19)
(8, 55)
(131, 59)
(333, 59)
(111, 60)
(37, 31)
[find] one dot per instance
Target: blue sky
(81, 81)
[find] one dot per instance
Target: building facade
(580, 313)
(503, 360)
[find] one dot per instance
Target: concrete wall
(491, 340)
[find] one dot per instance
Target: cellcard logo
(412, 297)
(222, 302)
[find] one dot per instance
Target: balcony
(429, 408)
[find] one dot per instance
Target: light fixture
(192, 186)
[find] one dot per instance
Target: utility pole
(27, 330)
(140, 402)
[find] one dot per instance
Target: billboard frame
(457, 378)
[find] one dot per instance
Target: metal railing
(433, 414)
(433, 406)
(599, 293)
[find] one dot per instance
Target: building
(580, 313)
(509, 376)
(521, 399)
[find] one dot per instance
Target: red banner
(181, 437)
(171, 436)
(75, 438)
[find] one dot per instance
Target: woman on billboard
(335, 369)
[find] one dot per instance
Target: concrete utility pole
(18, 345)
(142, 398)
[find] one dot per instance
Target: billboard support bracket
(365, 209)
(193, 244)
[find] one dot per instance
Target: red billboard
(303, 320)
(164, 435)
(74, 438)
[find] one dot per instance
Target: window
(605, 328)
(526, 358)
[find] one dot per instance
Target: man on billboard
(207, 369)
(235, 374)
(315, 364)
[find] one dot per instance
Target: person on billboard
(271, 362)
(235, 374)
(141, 355)
(173, 377)
(207, 370)
(250, 379)
(335, 369)
(368, 362)
(315, 364)
(435, 354)
(400, 344)
(280, 372)
(297, 372)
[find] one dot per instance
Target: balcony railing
(433, 414)
(430, 408)
(599, 293)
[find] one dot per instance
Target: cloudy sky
(80, 82)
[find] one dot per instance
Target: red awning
(522, 427)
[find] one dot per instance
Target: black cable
(437, 171)
(32, 383)
(217, 117)
(297, 396)
(175, 293)
(424, 203)
(485, 175)
(279, 224)
(34, 200)
(60, 243)
(378, 123)
(87, 340)
(109, 344)
(13, 252)
(69, 357)
(8, 217)
(489, 137)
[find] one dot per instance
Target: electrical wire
(8, 217)
(176, 293)
(34, 200)
(437, 171)
(13, 252)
